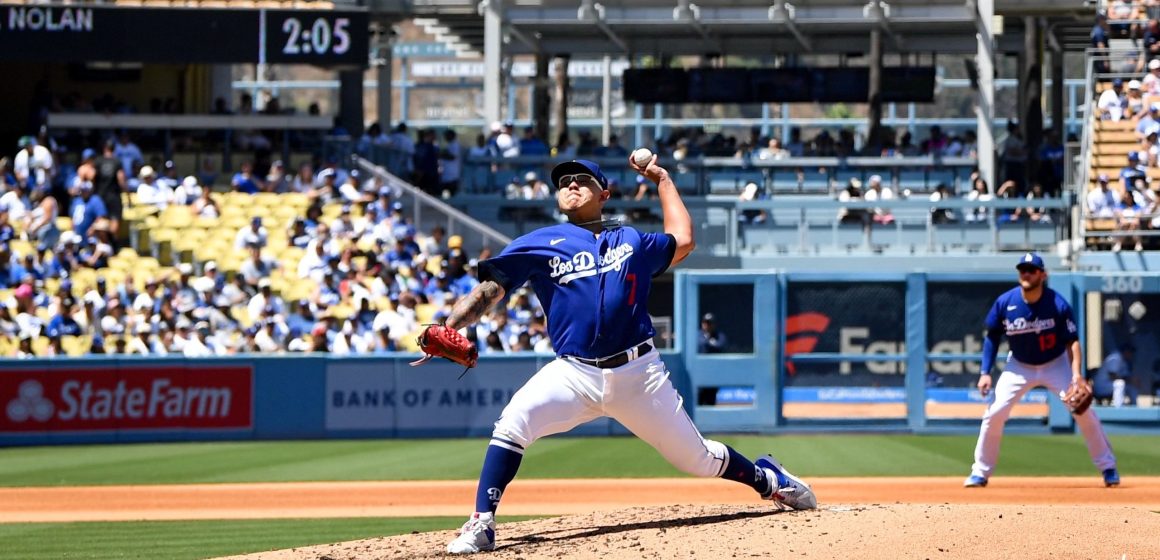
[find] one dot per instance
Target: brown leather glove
(1078, 397)
(438, 340)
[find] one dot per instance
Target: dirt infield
(1025, 518)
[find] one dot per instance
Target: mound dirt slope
(1023, 518)
(864, 531)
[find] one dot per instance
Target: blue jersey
(594, 289)
(1036, 333)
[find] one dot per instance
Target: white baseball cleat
(785, 488)
(477, 535)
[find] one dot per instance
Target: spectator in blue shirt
(530, 145)
(86, 210)
(63, 324)
(1132, 171)
(10, 270)
(1099, 37)
(612, 150)
(245, 181)
(400, 254)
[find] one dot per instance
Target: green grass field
(810, 455)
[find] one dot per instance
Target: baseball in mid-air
(641, 156)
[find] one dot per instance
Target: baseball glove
(439, 340)
(1078, 397)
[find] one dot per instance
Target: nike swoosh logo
(1012, 307)
(555, 241)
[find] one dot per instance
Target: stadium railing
(809, 225)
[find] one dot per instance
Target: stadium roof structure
(742, 27)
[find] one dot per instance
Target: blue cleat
(785, 489)
(975, 481)
(1111, 477)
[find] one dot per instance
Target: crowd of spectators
(1131, 200)
(374, 274)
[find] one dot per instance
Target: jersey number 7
(631, 278)
(1046, 342)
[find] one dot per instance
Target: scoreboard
(62, 33)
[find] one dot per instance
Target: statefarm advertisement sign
(123, 398)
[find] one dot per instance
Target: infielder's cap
(578, 166)
(1031, 260)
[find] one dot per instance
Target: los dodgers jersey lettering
(594, 288)
(1036, 333)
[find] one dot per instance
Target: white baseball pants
(1012, 384)
(566, 393)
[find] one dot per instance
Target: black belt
(617, 360)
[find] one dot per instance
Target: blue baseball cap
(1032, 260)
(88, 153)
(578, 166)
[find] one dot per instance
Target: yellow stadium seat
(425, 313)
(40, 346)
(64, 223)
(266, 199)
(76, 345)
(409, 343)
(20, 247)
(298, 202)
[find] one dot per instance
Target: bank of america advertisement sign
(126, 399)
(366, 396)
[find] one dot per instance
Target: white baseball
(641, 156)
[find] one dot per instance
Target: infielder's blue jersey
(594, 290)
(1036, 333)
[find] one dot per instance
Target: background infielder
(1041, 333)
(593, 281)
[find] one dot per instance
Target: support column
(561, 84)
(985, 102)
(542, 100)
(874, 91)
(220, 87)
(492, 60)
(384, 74)
(350, 101)
(1057, 98)
(1031, 85)
(606, 101)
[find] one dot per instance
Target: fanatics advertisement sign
(126, 399)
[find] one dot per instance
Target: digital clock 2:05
(321, 37)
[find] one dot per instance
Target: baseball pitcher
(1045, 352)
(593, 279)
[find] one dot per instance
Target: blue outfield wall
(262, 398)
(805, 338)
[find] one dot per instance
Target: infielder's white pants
(566, 393)
(1012, 384)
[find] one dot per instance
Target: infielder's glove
(439, 340)
(1078, 397)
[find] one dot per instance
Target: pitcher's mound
(885, 531)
